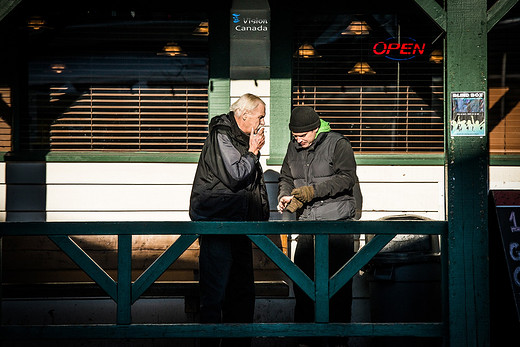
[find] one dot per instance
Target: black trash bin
(405, 285)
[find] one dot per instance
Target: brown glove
(304, 194)
(294, 205)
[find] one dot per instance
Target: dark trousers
(341, 249)
(227, 289)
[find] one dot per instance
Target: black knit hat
(303, 118)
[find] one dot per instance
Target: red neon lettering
(392, 46)
(405, 47)
(416, 48)
(375, 47)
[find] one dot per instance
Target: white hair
(247, 102)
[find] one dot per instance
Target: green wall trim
(361, 159)
(123, 157)
(385, 159)
(400, 159)
(505, 160)
(218, 98)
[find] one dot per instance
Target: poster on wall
(468, 114)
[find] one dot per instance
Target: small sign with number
(508, 213)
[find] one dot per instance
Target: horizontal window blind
(504, 85)
(377, 118)
(165, 119)
(504, 136)
(5, 119)
(131, 80)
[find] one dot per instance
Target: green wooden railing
(125, 292)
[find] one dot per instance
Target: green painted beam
(285, 264)
(435, 11)
(142, 331)
(360, 259)
(497, 11)
(6, 6)
(86, 263)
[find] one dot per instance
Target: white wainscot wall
(118, 191)
(160, 191)
(504, 177)
(395, 190)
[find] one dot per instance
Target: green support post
(218, 88)
(467, 178)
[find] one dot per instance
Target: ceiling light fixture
(172, 49)
(202, 29)
(362, 68)
(306, 51)
(357, 27)
(58, 68)
(36, 23)
(436, 57)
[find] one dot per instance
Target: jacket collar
(228, 121)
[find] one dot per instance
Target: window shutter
(164, 119)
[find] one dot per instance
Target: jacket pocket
(336, 210)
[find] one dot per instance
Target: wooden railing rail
(125, 292)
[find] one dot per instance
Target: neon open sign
(404, 49)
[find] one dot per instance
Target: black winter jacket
(229, 183)
(329, 166)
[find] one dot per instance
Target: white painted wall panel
(120, 173)
(3, 191)
(118, 197)
(2, 172)
(160, 191)
(504, 177)
(391, 190)
(381, 173)
(262, 88)
(117, 216)
(400, 196)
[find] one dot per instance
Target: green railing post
(321, 277)
(124, 279)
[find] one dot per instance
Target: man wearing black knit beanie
(317, 182)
